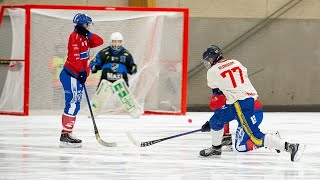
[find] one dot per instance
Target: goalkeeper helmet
(116, 39)
(212, 55)
(82, 19)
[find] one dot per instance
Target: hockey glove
(217, 101)
(81, 30)
(206, 127)
(133, 69)
(94, 69)
(82, 77)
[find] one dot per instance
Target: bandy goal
(156, 37)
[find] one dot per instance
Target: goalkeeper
(116, 62)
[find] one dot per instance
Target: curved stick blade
(106, 144)
(132, 139)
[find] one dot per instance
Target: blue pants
(73, 93)
(243, 143)
(248, 135)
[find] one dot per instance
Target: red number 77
(230, 72)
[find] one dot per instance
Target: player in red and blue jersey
(74, 74)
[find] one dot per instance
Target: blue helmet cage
(89, 20)
(211, 55)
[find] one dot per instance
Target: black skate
(227, 142)
(68, 140)
(212, 151)
(295, 150)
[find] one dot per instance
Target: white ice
(29, 149)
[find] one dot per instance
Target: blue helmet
(211, 55)
(81, 19)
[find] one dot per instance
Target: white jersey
(231, 77)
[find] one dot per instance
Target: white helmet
(116, 40)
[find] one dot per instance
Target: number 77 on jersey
(231, 72)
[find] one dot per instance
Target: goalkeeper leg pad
(101, 96)
(126, 98)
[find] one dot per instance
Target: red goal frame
(26, 59)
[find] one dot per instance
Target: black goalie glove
(206, 127)
(133, 70)
(94, 66)
(81, 30)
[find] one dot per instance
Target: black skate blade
(70, 145)
(227, 148)
(210, 157)
(299, 153)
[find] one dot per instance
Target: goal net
(157, 39)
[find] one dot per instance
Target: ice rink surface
(29, 149)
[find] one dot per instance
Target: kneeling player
(231, 77)
(242, 140)
(115, 62)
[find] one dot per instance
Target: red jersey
(79, 52)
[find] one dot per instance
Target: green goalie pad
(121, 89)
(101, 96)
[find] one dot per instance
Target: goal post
(14, 69)
(157, 38)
